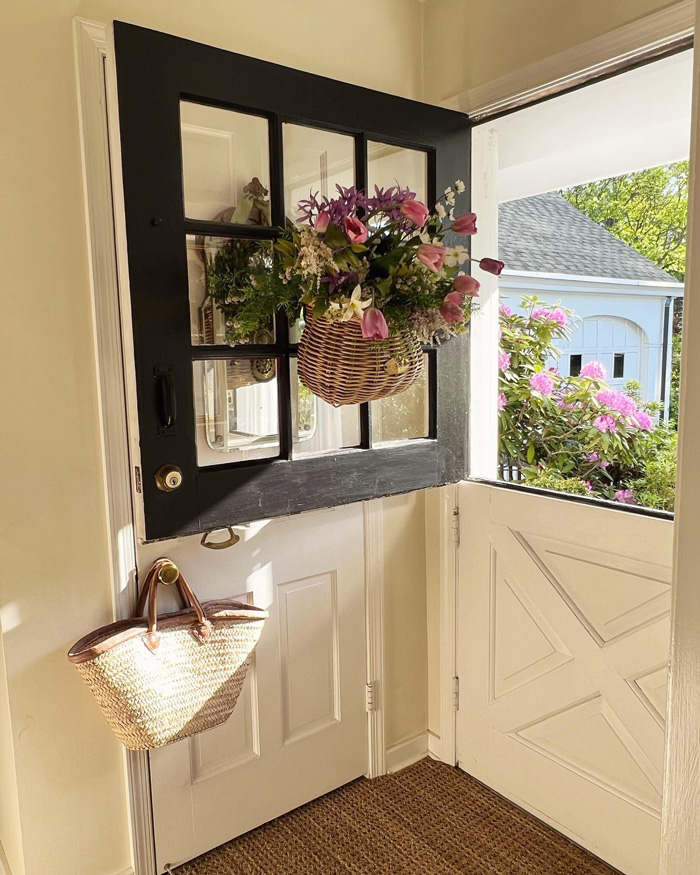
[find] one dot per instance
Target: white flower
(449, 197)
(448, 191)
(440, 210)
(354, 305)
(424, 237)
(456, 256)
(451, 215)
(459, 186)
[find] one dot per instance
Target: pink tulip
(415, 211)
(451, 310)
(467, 285)
(374, 325)
(322, 221)
(433, 257)
(465, 224)
(491, 265)
(355, 230)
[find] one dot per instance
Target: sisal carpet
(429, 818)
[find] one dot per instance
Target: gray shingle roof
(546, 234)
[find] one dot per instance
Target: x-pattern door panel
(563, 652)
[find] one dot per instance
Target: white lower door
(562, 655)
(300, 727)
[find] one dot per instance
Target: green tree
(648, 210)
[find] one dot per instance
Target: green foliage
(647, 209)
(560, 428)
(554, 483)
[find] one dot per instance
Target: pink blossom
(432, 256)
(605, 423)
(492, 265)
(625, 496)
(542, 382)
(503, 360)
(617, 401)
(374, 325)
(415, 212)
(467, 285)
(322, 221)
(554, 315)
(506, 310)
(502, 402)
(587, 484)
(451, 309)
(593, 457)
(644, 421)
(500, 333)
(464, 224)
(594, 370)
(354, 229)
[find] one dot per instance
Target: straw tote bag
(170, 676)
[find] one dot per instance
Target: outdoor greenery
(647, 209)
(576, 434)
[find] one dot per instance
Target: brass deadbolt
(168, 478)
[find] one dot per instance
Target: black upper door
(216, 149)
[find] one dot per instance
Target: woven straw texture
(186, 686)
(339, 365)
(430, 818)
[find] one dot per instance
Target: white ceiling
(632, 121)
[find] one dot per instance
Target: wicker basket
(167, 677)
(339, 365)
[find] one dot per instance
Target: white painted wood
(300, 728)
(563, 642)
(582, 62)
(374, 595)
(483, 371)
(680, 842)
(92, 58)
(406, 753)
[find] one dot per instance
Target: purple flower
(506, 310)
(503, 360)
(465, 224)
(587, 484)
(594, 370)
(492, 265)
(625, 496)
(593, 457)
(644, 421)
(605, 423)
(502, 402)
(542, 382)
(556, 315)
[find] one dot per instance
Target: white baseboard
(407, 752)
(434, 746)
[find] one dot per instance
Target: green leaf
(334, 237)
(531, 453)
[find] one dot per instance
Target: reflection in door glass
(236, 409)
(404, 416)
(319, 427)
(395, 165)
(225, 165)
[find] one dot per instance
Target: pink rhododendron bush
(576, 434)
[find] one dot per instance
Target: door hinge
(455, 526)
(455, 693)
(370, 696)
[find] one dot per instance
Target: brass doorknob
(168, 478)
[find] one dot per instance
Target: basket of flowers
(374, 278)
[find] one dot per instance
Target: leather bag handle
(202, 629)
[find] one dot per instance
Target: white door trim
(94, 72)
(97, 102)
(591, 59)
(680, 825)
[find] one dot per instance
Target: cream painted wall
(405, 655)
(55, 571)
(470, 42)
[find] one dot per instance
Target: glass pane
(319, 427)
(217, 272)
(236, 410)
(396, 165)
(225, 165)
(315, 161)
(403, 416)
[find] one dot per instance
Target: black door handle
(167, 400)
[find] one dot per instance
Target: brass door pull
(232, 539)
